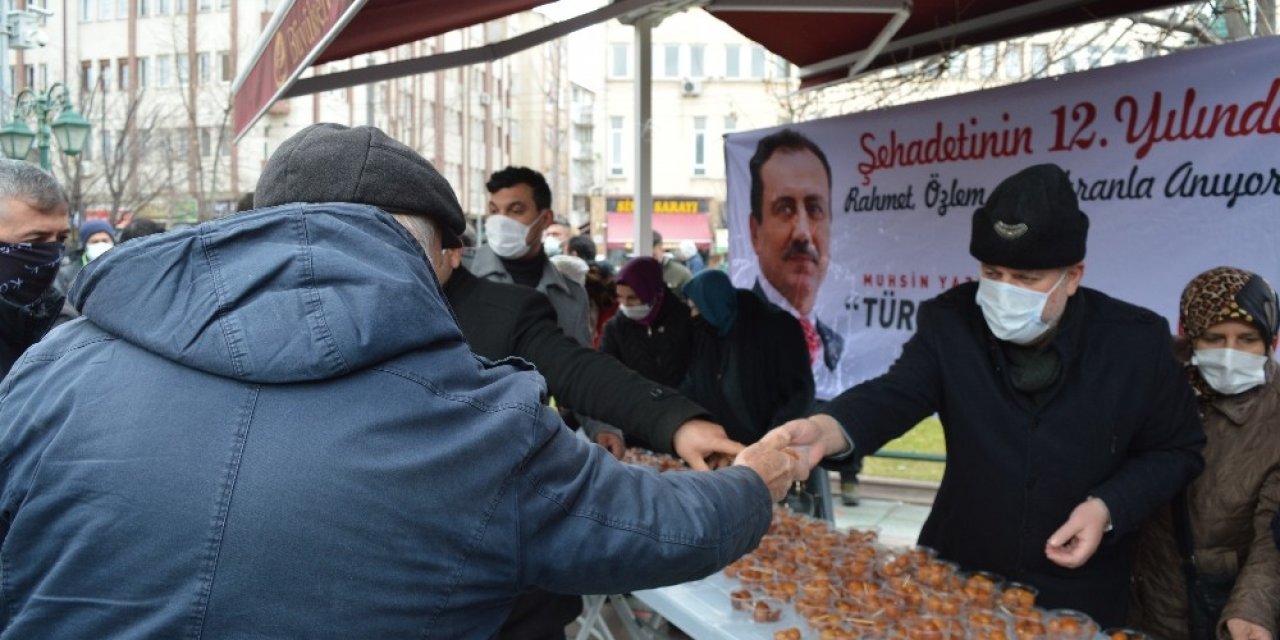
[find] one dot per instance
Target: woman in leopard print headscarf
(1228, 320)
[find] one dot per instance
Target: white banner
(1176, 161)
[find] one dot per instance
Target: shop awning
(306, 32)
(620, 229)
(829, 40)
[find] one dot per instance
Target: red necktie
(811, 338)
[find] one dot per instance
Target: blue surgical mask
(27, 270)
(1229, 371)
(1015, 314)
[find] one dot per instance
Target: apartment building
(708, 80)
(154, 78)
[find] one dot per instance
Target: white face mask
(506, 236)
(636, 312)
(95, 250)
(1013, 313)
(551, 245)
(1229, 371)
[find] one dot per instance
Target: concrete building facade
(154, 78)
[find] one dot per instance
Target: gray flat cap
(331, 163)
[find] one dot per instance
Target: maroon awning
(825, 38)
(307, 32)
(382, 24)
(810, 38)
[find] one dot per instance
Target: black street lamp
(71, 128)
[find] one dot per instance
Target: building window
(732, 61)
(122, 9)
(104, 9)
(44, 75)
(162, 7)
(1120, 55)
(181, 142)
(180, 8)
(122, 73)
(86, 76)
(1039, 60)
(205, 6)
(987, 65)
(615, 145)
(105, 137)
(183, 63)
(206, 142)
(1095, 56)
(730, 124)
(697, 53)
(781, 68)
(757, 62)
(29, 74)
(224, 5)
(144, 8)
(671, 61)
(86, 10)
(224, 60)
(1012, 61)
(164, 71)
(620, 65)
(700, 146)
(144, 74)
(204, 67)
(956, 65)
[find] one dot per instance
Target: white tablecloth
(702, 610)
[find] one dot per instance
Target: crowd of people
(340, 414)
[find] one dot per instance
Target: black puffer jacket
(501, 320)
(755, 378)
(659, 351)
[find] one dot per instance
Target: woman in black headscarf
(750, 365)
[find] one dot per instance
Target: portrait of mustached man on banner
(790, 226)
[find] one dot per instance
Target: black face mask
(27, 269)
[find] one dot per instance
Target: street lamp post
(68, 126)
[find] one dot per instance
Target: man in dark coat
(33, 228)
(335, 462)
(1067, 424)
(501, 320)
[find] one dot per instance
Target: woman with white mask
(1207, 567)
(651, 333)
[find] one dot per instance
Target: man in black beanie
(1067, 420)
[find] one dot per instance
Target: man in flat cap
(1067, 420)
(329, 460)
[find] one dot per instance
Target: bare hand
(769, 458)
(704, 445)
(1242, 629)
(1076, 540)
(821, 433)
(613, 443)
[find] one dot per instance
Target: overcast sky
(587, 50)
